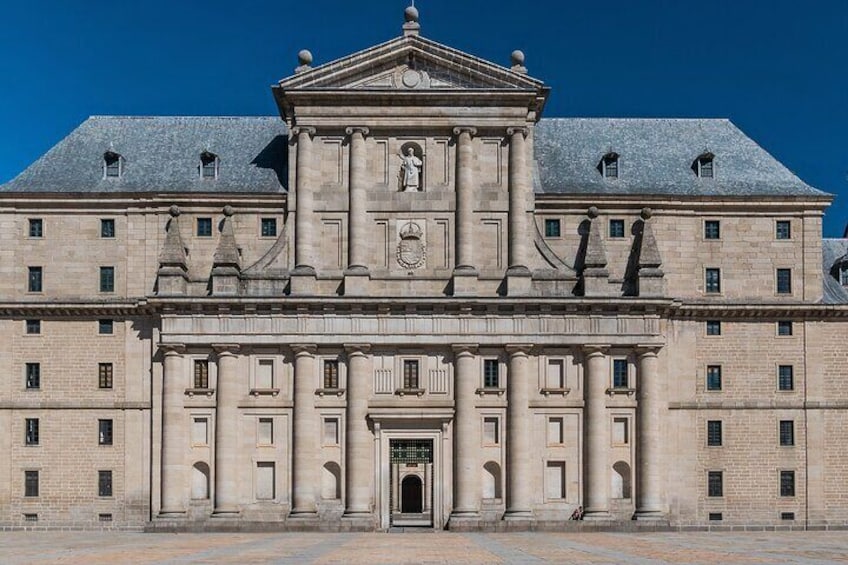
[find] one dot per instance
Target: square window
(34, 279)
(714, 433)
(491, 373)
(784, 281)
(268, 227)
(784, 328)
(331, 431)
(715, 484)
(104, 375)
(616, 228)
(620, 431)
(556, 431)
(201, 373)
(107, 279)
(104, 483)
(787, 433)
(552, 228)
(200, 431)
(410, 374)
(104, 432)
(783, 229)
(619, 373)
(713, 327)
(33, 375)
(36, 227)
(331, 373)
(785, 377)
(265, 431)
(714, 377)
(787, 483)
(107, 228)
(712, 229)
(105, 327)
(33, 327)
(31, 431)
(204, 227)
(712, 280)
(491, 431)
(30, 483)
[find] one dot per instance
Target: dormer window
(843, 274)
(609, 166)
(208, 165)
(704, 166)
(112, 162)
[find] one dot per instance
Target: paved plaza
(94, 548)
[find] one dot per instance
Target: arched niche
(620, 480)
(331, 485)
(491, 481)
(200, 481)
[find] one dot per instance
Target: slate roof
(656, 157)
(162, 154)
(832, 251)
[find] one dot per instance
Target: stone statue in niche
(410, 170)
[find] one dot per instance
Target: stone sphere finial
(593, 212)
(174, 210)
(646, 213)
(304, 57)
(517, 58)
(228, 210)
(410, 15)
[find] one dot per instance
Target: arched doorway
(411, 495)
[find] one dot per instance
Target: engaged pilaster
(359, 440)
(465, 274)
(356, 275)
(466, 436)
(173, 476)
(227, 431)
(303, 276)
(651, 400)
(305, 434)
(518, 435)
(596, 481)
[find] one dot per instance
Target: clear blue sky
(778, 68)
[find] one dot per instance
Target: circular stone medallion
(410, 78)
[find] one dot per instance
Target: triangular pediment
(409, 63)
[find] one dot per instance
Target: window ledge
(555, 391)
(490, 390)
(264, 391)
(621, 390)
(330, 391)
(409, 391)
(200, 391)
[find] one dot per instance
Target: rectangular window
(787, 433)
(556, 431)
(204, 227)
(265, 431)
(31, 431)
(616, 228)
(104, 483)
(265, 374)
(490, 431)
(105, 327)
(714, 433)
(783, 229)
(107, 279)
(843, 274)
(715, 517)
(620, 431)
(491, 373)
(787, 515)
(104, 432)
(33, 327)
(200, 431)
(36, 227)
(201, 373)
(784, 281)
(104, 517)
(265, 480)
(784, 328)
(35, 280)
(552, 228)
(104, 375)
(331, 431)
(33, 375)
(30, 483)
(713, 327)
(556, 374)
(787, 483)
(712, 229)
(410, 373)
(712, 280)
(785, 377)
(714, 377)
(331, 373)
(715, 483)
(30, 517)
(107, 228)
(268, 227)
(555, 480)
(619, 373)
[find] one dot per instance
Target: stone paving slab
(424, 547)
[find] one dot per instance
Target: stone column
(466, 434)
(357, 244)
(174, 483)
(304, 249)
(464, 199)
(649, 392)
(518, 435)
(518, 192)
(304, 449)
(229, 390)
(596, 480)
(358, 439)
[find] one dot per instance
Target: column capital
(511, 131)
(352, 130)
(518, 348)
(460, 349)
(357, 348)
(647, 350)
(308, 130)
(594, 350)
(301, 349)
(172, 348)
(459, 130)
(225, 348)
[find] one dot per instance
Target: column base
(519, 281)
(597, 516)
(356, 281)
(650, 516)
(226, 513)
(302, 281)
(170, 514)
(465, 281)
(518, 515)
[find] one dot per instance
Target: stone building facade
(411, 300)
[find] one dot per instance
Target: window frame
(411, 380)
(610, 166)
(105, 376)
(778, 234)
(715, 433)
(331, 374)
(705, 163)
(786, 433)
(708, 234)
(268, 221)
(200, 374)
(555, 225)
(32, 375)
(105, 431)
(35, 225)
(783, 285)
(204, 222)
(712, 328)
(32, 482)
(617, 363)
(783, 325)
(32, 432)
(843, 274)
(105, 231)
(208, 162)
(105, 323)
(786, 378)
(489, 363)
(113, 165)
(713, 371)
(613, 232)
(105, 487)
(107, 279)
(715, 484)
(35, 279)
(786, 479)
(712, 286)
(32, 327)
